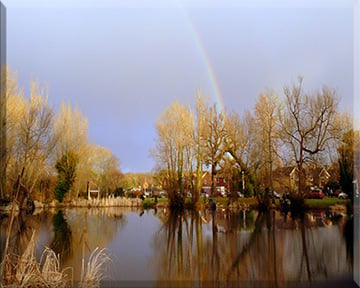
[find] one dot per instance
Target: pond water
(154, 247)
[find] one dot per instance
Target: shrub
(66, 167)
(119, 192)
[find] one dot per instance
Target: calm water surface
(230, 247)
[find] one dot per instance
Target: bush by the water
(66, 167)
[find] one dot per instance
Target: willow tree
(29, 133)
(174, 137)
(104, 169)
(71, 130)
(307, 124)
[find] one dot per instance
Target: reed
(25, 271)
(95, 269)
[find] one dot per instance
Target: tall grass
(25, 271)
(95, 269)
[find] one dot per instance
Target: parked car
(337, 192)
(204, 195)
(240, 195)
(221, 194)
(163, 194)
(315, 194)
(343, 195)
(275, 195)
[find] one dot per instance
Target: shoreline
(331, 204)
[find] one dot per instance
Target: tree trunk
(213, 172)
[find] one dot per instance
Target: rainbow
(205, 59)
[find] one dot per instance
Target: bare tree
(214, 133)
(243, 144)
(307, 123)
(266, 115)
(199, 142)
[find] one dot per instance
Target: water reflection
(251, 246)
(348, 234)
(61, 244)
(206, 246)
(21, 232)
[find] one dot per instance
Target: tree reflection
(348, 234)
(61, 244)
(91, 228)
(21, 232)
(210, 247)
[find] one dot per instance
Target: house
(220, 183)
(286, 178)
(92, 190)
(317, 176)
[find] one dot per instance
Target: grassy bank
(150, 202)
(224, 202)
(163, 202)
(220, 202)
(325, 202)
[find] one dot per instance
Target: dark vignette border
(2, 98)
(344, 282)
(356, 113)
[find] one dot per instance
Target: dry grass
(25, 271)
(96, 268)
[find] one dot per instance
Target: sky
(123, 62)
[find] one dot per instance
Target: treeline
(50, 150)
(291, 129)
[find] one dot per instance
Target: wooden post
(88, 190)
